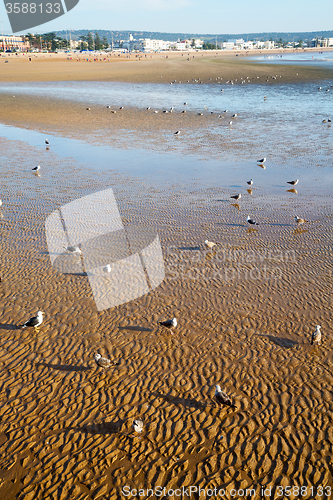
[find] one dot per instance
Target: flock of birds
(250, 220)
(220, 396)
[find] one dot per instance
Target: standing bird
(236, 196)
(250, 182)
(0, 203)
(262, 160)
(47, 142)
(107, 268)
(169, 323)
(222, 398)
(73, 249)
(209, 244)
(104, 362)
(316, 336)
(35, 169)
(251, 221)
(299, 220)
(35, 321)
(177, 133)
(138, 425)
(293, 183)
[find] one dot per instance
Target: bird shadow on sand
(188, 248)
(281, 341)
(66, 368)
(135, 328)
(9, 326)
(278, 224)
(178, 400)
(231, 224)
(104, 428)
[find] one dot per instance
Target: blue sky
(194, 16)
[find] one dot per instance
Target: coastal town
(50, 42)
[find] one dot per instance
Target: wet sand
(245, 311)
(205, 67)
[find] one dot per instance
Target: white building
(12, 42)
(149, 45)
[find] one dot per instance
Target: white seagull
(209, 244)
(250, 182)
(177, 133)
(47, 142)
(316, 336)
(299, 220)
(262, 160)
(104, 362)
(73, 249)
(236, 196)
(138, 425)
(251, 221)
(293, 183)
(35, 169)
(107, 268)
(169, 323)
(35, 321)
(222, 398)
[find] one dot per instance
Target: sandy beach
(246, 310)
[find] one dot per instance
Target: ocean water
(302, 58)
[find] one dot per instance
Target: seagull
(73, 249)
(107, 268)
(169, 323)
(222, 398)
(47, 142)
(316, 336)
(88, 109)
(299, 220)
(293, 183)
(250, 182)
(236, 196)
(35, 169)
(262, 160)
(36, 321)
(251, 221)
(148, 108)
(0, 203)
(234, 116)
(104, 362)
(230, 123)
(209, 244)
(177, 133)
(138, 425)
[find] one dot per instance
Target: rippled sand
(245, 312)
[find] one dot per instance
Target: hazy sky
(193, 16)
